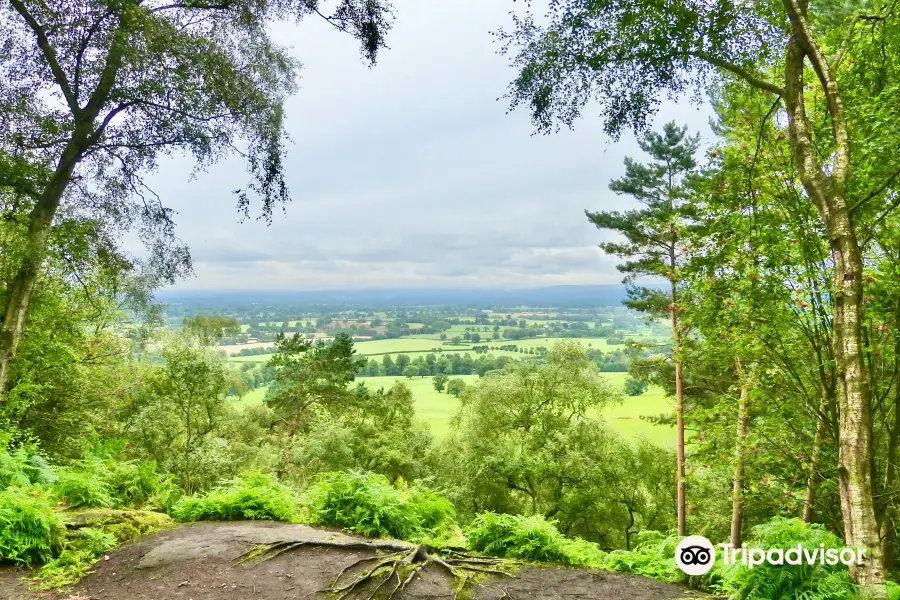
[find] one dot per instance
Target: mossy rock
(126, 525)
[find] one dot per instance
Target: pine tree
(652, 247)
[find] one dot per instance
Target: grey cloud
(411, 173)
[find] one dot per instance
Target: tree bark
(40, 221)
(740, 451)
(679, 418)
(812, 481)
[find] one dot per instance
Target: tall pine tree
(652, 247)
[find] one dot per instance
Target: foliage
(75, 561)
(636, 387)
(530, 538)
(22, 469)
(367, 503)
(653, 556)
(82, 488)
(790, 582)
(254, 496)
(30, 532)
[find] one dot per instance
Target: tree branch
(753, 79)
(49, 55)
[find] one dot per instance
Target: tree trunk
(40, 221)
(679, 419)
(826, 190)
(812, 481)
(889, 507)
(740, 445)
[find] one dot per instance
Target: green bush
(530, 538)
(22, 469)
(29, 530)
(653, 556)
(83, 488)
(254, 496)
(787, 582)
(134, 483)
(367, 503)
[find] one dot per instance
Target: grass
(252, 397)
(396, 345)
(437, 408)
(433, 407)
(626, 417)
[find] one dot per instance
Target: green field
(426, 343)
(437, 409)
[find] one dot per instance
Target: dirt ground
(197, 562)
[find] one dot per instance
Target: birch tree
(817, 57)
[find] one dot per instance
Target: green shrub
(252, 496)
(134, 483)
(530, 538)
(787, 582)
(29, 530)
(83, 488)
(367, 503)
(22, 469)
(653, 556)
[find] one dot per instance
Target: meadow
(437, 408)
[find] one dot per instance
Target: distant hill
(561, 296)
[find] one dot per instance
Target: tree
(802, 53)
(388, 366)
(402, 362)
(635, 387)
(209, 329)
(456, 387)
(411, 371)
(310, 378)
(192, 385)
(476, 338)
(653, 247)
(528, 442)
(101, 89)
(439, 381)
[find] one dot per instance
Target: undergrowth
(787, 582)
(30, 532)
(368, 504)
(530, 538)
(75, 561)
(254, 496)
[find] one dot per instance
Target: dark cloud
(411, 173)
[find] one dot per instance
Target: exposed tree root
(389, 573)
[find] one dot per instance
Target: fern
(253, 496)
(531, 538)
(29, 530)
(368, 504)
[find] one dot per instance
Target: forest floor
(199, 562)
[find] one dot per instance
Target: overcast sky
(411, 174)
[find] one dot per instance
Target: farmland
(437, 409)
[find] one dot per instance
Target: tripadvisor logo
(695, 555)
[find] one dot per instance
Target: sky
(412, 173)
